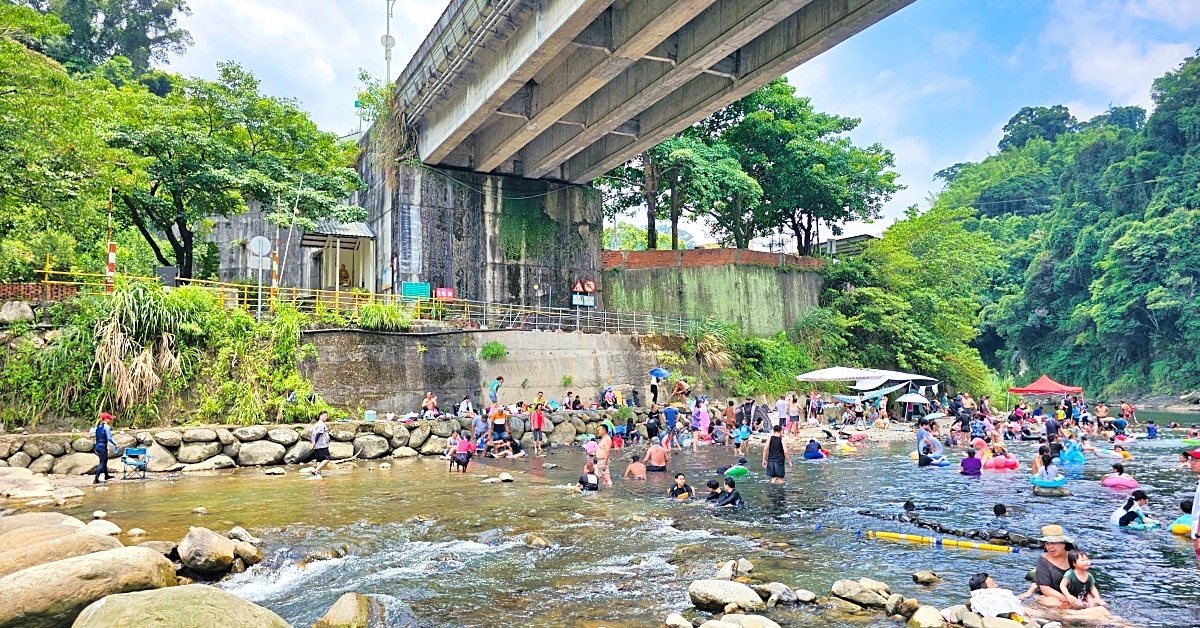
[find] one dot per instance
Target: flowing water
(443, 549)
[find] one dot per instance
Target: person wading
(320, 443)
(104, 442)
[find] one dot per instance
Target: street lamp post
(388, 42)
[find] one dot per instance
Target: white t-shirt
(781, 409)
(1196, 509)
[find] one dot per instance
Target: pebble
(926, 578)
(491, 481)
(506, 477)
(549, 465)
(199, 510)
(385, 465)
(274, 471)
(99, 514)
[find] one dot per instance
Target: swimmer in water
(714, 491)
(1118, 471)
(635, 469)
(681, 490)
(731, 498)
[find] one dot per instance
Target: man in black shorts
(775, 456)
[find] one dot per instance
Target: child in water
(989, 600)
(731, 498)
(681, 491)
(1078, 584)
(714, 491)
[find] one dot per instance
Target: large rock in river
(399, 437)
(353, 610)
(283, 435)
(53, 594)
(193, 452)
(564, 434)
(206, 552)
(927, 617)
(250, 433)
(33, 519)
(49, 550)
(340, 451)
(417, 436)
(434, 445)
(260, 452)
(715, 595)
(34, 534)
(199, 435)
(76, 464)
(857, 593)
(371, 446)
(161, 459)
(444, 428)
(191, 606)
(169, 438)
(298, 453)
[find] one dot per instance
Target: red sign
(589, 285)
(110, 270)
(578, 287)
(443, 294)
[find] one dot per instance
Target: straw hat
(1056, 534)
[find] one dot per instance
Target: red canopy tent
(1046, 386)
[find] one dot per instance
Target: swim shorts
(601, 467)
(654, 467)
(321, 455)
(537, 436)
(775, 469)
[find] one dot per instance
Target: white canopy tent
(837, 374)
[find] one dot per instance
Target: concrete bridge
(568, 89)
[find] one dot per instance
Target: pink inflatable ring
(1002, 462)
(1114, 481)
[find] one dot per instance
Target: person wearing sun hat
(103, 442)
(1193, 457)
(1053, 565)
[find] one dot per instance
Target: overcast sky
(934, 83)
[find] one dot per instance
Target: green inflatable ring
(1191, 441)
(737, 470)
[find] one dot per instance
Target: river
(443, 549)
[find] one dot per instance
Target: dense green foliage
(492, 351)
(154, 356)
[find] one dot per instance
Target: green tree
(1046, 123)
(142, 31)
(209, 147)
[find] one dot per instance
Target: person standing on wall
(653, 389)
(494, 389)
(104, 443)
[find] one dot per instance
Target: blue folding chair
(135, 460)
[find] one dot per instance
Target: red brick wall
(34, 292)
(704, 257)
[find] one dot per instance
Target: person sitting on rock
(989, 600)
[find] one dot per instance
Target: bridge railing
(459, 313)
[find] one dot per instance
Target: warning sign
(578, 287)
(589, 285)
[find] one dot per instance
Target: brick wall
(704, 257)
(35, 292)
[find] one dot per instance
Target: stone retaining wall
(220, 447)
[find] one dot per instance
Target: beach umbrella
(935, 415)
(913, 398)
(659, 372)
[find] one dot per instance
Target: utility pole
(388, 42)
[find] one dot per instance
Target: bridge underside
(569, 89)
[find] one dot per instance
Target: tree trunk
(738, 228)
(675, 211)
(650, 192)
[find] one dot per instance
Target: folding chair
(135, 460)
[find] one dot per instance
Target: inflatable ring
(1108, 453)
(847, 449)
(1074, 456)
(737, 470)
(1182, 525)
(1044, 483)
(1143, 526)
(1191, 441)
(814, 455)
(939, 462)
(1114, 481)
(914, 456)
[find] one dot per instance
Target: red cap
(1195, 453)
(104, 416)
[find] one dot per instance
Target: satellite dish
(260, 246)
(388, 41)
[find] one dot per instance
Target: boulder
(434, 446)
(160, 459)
(193, 605)
(371, 446)
(123, 440)
(804, 596)
(298, 453)
(874, 585)
(200, 435)
(725, 571)
(248, 552)
(352, 610)
(1000, 622)
(748, 621)
(927, 617)
(168, 438)
(713, 595)
(675, 620)
(341, 434)
(206, 552)
(102, 527)
(970, 620)
(893, 604)
(84, 444)
(384, 429)
(908, 607)
(198, 451)
(782, 592)
(34, 534)
(52, 595)
(1057, 491)
(166, 548)
(844, 606)
(144, 438)
(31, 519)
(13, 472)
(399, 438)
(238, 533)
(926, 578)
(283, 435)
(225, 436)
(405, 452)
(75, 464)
(857, 593)
(219, 461)
(33, 488)
(31, 449)
(14, 311)
(417, 436)
(260, 452)
(19, 459)
(54, 449)
(564, 434)
(232, 449)
(49, 550)
(341, 451)
(443, 428)
(250, 433)
(744, 566)
(44, 464)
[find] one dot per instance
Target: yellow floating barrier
(937, 542)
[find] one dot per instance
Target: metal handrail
(464, 313)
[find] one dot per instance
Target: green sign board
(413, 290)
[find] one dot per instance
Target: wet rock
(506, 477)
(260, 452)
(353, 610)
(43, 464)
(225, 437)
(199, 435)
(491, 481)
(220, 461)
(166, 548)
(238, 533)
(843, 606)
(160, 460)
(434, 445)
(492, 537)
(549, 465)
(283, 435)
(193, 452)
(274, 471)
(84, 444)
(405, 452)
(371, 446)
(250, 433)
(804, 596)
(781, 592)
(136, 532)
(47, 550)
(53, 594)
(248, 552)
(199, 510)
(927, 617)
(713, 595)
(857, 593)
(299, 453)
(190, 605)
(892, 606)
(168, 438)
(926, 578)
(536, 542)
(908, 607)
(1058, 491)
(206, 552)
(1017, 539)
(384, 466)
(102, 527)
(874, 585)
(238, 566)
(675, 620)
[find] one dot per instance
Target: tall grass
(384, 317)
